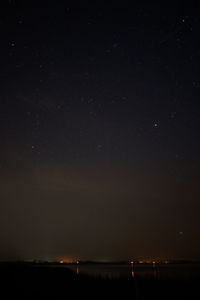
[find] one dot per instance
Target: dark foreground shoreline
(32, 280)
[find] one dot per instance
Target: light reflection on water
(156, 271)
(77, 270)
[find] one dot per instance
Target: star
(173, 114)
(115, 45)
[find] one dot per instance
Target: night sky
(99, 130)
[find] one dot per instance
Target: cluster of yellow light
(147, 262)
(68, 261)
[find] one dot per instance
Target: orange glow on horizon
(68, 261)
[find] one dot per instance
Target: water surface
(157, 271)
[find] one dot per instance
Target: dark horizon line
(76, 262)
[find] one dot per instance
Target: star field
(99, 129)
